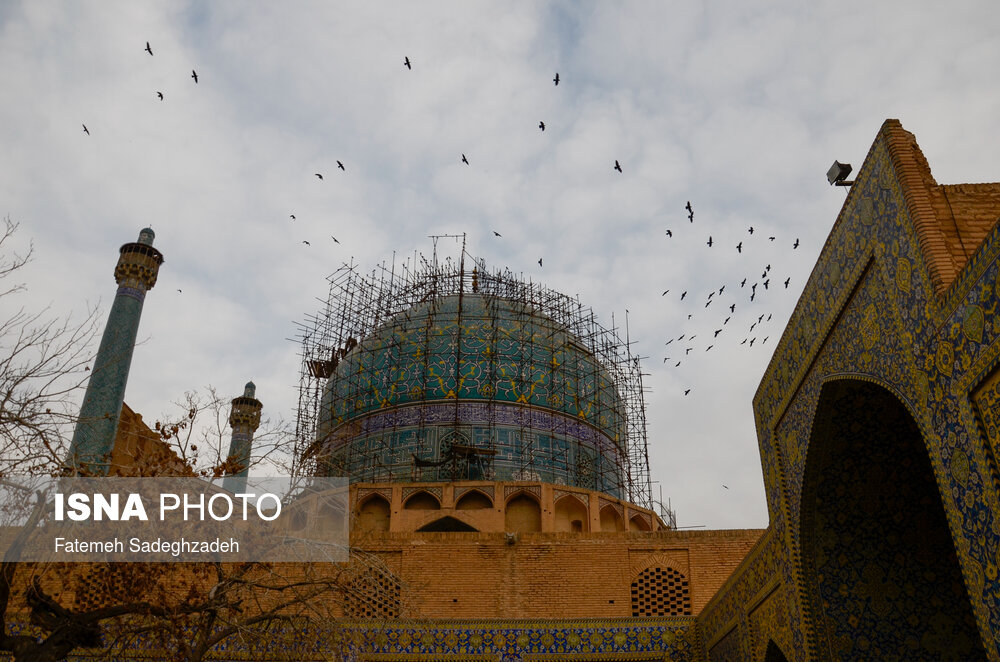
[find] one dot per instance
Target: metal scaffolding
(361, 303)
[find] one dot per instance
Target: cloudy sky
(739, 107)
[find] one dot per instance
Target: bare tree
(43, 365)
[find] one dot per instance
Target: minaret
(244, 419)
(94, 437)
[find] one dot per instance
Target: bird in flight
(796, 244)
(739, 247)
(751, 229)
(683, 294)
(709, 242)
(319, 175)
(341, 166)
(292, 216)
(194, 74)
(497, 234)
(787, 280)
(770, 238)
(726, 486)
(732, 308)
(160, 94)
(541, 125)
(86, 130)
(664, 293)
(334, 239)
(178, 290)
(539, 261)
(465, 160)
(306, 242)
(669, 233)
(406, 62)
(686, 391)
(556, 79)
(148, 49)
(618, 166)
(717, 332)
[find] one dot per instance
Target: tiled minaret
(138, 264)
(244, 419)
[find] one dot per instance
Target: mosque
(494, 436)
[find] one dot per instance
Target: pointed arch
(523, 513)
(571, 514)
(422, 500)
(610, 519)
(474, 500)
(374, 514)
(872, 519)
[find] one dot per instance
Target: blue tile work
(870, 312)
(506, 379)
(624, 640)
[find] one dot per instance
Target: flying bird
(341, 166)
(771, 238)
(465, 160)
(688, 207)
(160, 94)
(496, 234)
(732, 308)
(709, 347)
(726, 486)
(541, 125)
(739, 247)
(178, 290)
(194, 74)
(86, 130)
(292, 216)
(406, 62)
(319, 175)
(556, 79)
(306, 242)
(618, 166)
(751, 229)
(718, 331)
(766, 283)
(664, 293)
(148, 49)
(721, 289)
(669, 233)
(686, 391)
(743, 282)
(787, 280)
(683, 294)
(796, 244)
(334, 239)
(539, 261)
(709, 242)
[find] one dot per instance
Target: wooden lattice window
(661, 592)
(373, 594)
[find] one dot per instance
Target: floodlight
(837, 174)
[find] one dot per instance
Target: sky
(738, 107)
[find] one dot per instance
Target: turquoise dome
(504, 377)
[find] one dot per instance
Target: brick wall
(552, 575)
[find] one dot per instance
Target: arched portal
(374, 514)
(880, 573)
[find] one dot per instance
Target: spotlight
(837, 174)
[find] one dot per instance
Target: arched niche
(611, 520)
(523, 514)
(880, 573)
(638, 523)
(571, 515)
(447, 524)
(374, 514)
(473, 500)
(422, 500)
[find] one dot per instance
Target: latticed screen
(373, 595)
(661, 592)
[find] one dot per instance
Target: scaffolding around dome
(357, 320)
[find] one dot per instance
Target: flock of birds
(718, 325)
(740, 295)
